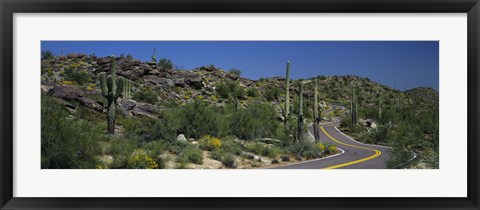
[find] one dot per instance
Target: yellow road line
(377, 152)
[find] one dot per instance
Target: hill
(208, 105)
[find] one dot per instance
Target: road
(354, 155)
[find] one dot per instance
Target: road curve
(356, 155)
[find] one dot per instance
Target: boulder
(66, 92)
(181, 137)
(195, 82)
(103, 61)
(132, 74)
(179, 82)
(126, 105)
(145, 109)
(75, 55)
(91, 104)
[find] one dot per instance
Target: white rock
(181, 137)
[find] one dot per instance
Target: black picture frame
(9, 7)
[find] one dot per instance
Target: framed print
(239, 105)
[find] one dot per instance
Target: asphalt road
(355, 155)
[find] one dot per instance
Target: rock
(102, 61)
(75, 55)
(181, 137)
(126, 106)
(91, 104)
(373, 125)
(179, 82)
(251, 156)
(152, 79)
(145, 109)
(132, 74)
(66, 92)
(270, 140)
(195, 82)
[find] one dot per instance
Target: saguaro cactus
(111, 90)
(287, 97)
(127, 89)
(154, 56)
(300, 112)
(380, 108)
(316, 122)
(353, 107)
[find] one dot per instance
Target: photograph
(150, 104)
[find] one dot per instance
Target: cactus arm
(120, 87)
(103, 84)
(113, 73)
(287, 90)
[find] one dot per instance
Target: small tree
(164, 63)
(235, 71)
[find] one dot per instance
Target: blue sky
(401, 63)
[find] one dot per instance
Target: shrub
(197, 119)
(146, 95)
(332, 149)
(256, 148)
(210, 143)
(272, 93)
(164, 63)
(253, 92)
(271, 152)
(121, 149)
(227, 159)
(79, 76)
(47, 55)
(255, 121)
(231, 146)
(230, 90)
(285, 158)
(235, 71)
(139, 159)
(145, 129)
(191, 154)
(66, 143)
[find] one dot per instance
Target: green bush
(191, 154)
(256, 148)
(164, 63)
(47, 55)
(236, 72)
(230, 90)
(227, 159)
(197, 119)
(145, 129)
(121, 149)
(253, 92)
(145, 95)
(231, 146)
(67, 143)
(271, 151)
(79, 76)
(272, 93)
(255, 121)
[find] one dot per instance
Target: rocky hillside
(75, 77)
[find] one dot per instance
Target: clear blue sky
(403, 63)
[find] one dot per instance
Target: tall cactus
(300, 112)
(353, 107)
(154, 56)
(316, 121)
(380, 108)
(287, 97)
(111, 90)
(127, 89)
